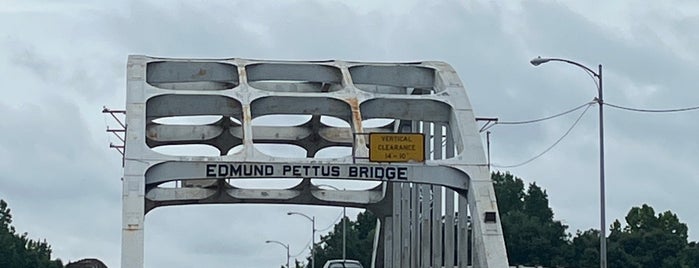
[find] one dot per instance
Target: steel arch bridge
(416, 200)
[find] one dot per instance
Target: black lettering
(403, 173)
(210, 170)
(286, 169)
(247, 170)
(269, 170)
(297, 171)
(353, 171)
(379, 173)
(259, 170)
(335, 171)
(390, 173)
(222, 170)
(325, 171)
(363, 172)
(236, 171)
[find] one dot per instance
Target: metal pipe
(603, 232)
(344, 223)
(313, 234)
(602, 202)
(344, 234)
(313, 242)
(288, 256)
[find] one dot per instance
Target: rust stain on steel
(152, 134)
(247, 119)
(242, 74)
(202, 72)
(356, 113)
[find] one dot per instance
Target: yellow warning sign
(396, 147)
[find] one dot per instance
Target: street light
(603, 237)
(313, 234)
(344, 223)
(283, 245)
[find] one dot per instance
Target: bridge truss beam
(438, 213)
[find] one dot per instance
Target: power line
(554, 144)
(586, 106)
(303, 249)
(545, 118)
(653, 110)
(331, 225)
(317, 230)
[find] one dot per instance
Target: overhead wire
(331, 225)
(553, 145)
(317, 230)
(652, 110)
(586, 106)
(303, 249)
(545, 118)
(592, 75)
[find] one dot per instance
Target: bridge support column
(133, 215)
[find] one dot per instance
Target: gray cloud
(59, 64)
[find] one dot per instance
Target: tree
(532, 237)
(18, 251)
(649, 240)
(509, 192)
(584, 250)
(360, 241)
(690, 255)
(298, 264)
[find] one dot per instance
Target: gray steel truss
(437, 213)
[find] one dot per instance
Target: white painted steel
(236, 91)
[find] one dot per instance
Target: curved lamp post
(283, 245)
(313, 234)
(344, 223)
(598, 75)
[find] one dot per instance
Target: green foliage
(690, 255)
(532, 237)
(584, 250)
(649, 240)
(509, 191)
(18, 251)
(360, 241)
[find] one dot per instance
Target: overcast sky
(61, 61)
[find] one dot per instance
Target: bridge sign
(396, 147)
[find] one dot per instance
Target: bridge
(425, 151)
